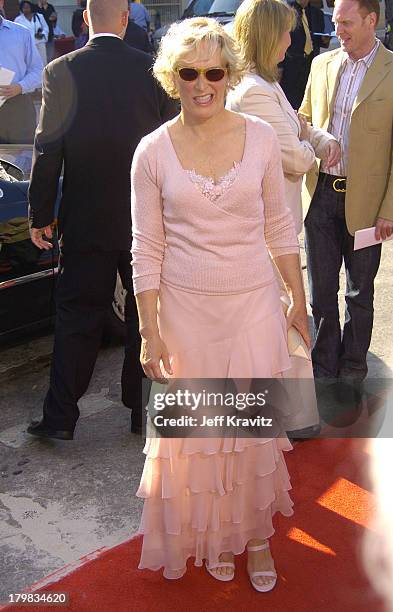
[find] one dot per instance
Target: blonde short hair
(259, 27)
(184, 38)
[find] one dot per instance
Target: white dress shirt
(351, 78)
(104, 34)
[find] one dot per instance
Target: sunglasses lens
(188, 74)
(215, 74)
(191, 74)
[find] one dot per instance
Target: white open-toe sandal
(225, 577)
(262, 588)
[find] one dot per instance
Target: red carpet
(317, 553)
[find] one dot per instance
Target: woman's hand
(304, 135)
(332, 153)
(153, 354)
(297, 317)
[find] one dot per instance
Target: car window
(224, 6)
(19, 155)
(197, 7)
(4, 176)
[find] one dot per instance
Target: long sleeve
(386, 208)
(306, 107)
(77, 21)
(297, 155)
(47, 156)
(280, 233)
(147, 223)
(33, 78)
(319, 140)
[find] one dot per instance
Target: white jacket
(255, 96)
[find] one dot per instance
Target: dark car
(223, 10)
(27, 274)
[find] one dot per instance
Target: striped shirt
(351, 78)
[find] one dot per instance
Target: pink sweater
(183, 239)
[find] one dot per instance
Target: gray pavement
(62, 500)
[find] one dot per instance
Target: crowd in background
(41, 19)
(26, 50)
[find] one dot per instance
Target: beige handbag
(301, 389)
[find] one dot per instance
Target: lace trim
(209, 188)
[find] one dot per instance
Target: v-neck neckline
(185, 170)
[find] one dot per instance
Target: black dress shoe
(136, 429)
(39, 429)
(339, 402)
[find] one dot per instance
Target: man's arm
(47, 160)
(34, 66)
(306, 107)
(76, 24)
(384, 221)
(33, 62)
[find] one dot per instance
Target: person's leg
(18, 120)
(361, 268)
(41, 48)
(132, 373)
(84, 292)
(260, 560)
(323, 240)
(50, 50)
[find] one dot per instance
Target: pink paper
(366, 237)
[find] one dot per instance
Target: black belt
(330, 181)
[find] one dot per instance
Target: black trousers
(18, 120)
(328, 245)
(84, 293)
(296, 69)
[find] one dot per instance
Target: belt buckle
(337, 189)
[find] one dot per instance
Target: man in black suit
(137, 37)
(98, 102)
(305, 45)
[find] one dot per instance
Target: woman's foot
(261, 561)
(225, 572)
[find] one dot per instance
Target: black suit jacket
(98, 102)
(137, 37)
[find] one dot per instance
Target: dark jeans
(328, 244)
(85, 288)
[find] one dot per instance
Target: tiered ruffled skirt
(205, 496)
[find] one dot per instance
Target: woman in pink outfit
(209, 212)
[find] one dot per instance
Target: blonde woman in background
(262, 28)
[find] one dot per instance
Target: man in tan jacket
(350, 94)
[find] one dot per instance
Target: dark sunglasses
(211, 74)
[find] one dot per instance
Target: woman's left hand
(297, 317)
(332, 153)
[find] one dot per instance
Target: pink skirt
(205, 496)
